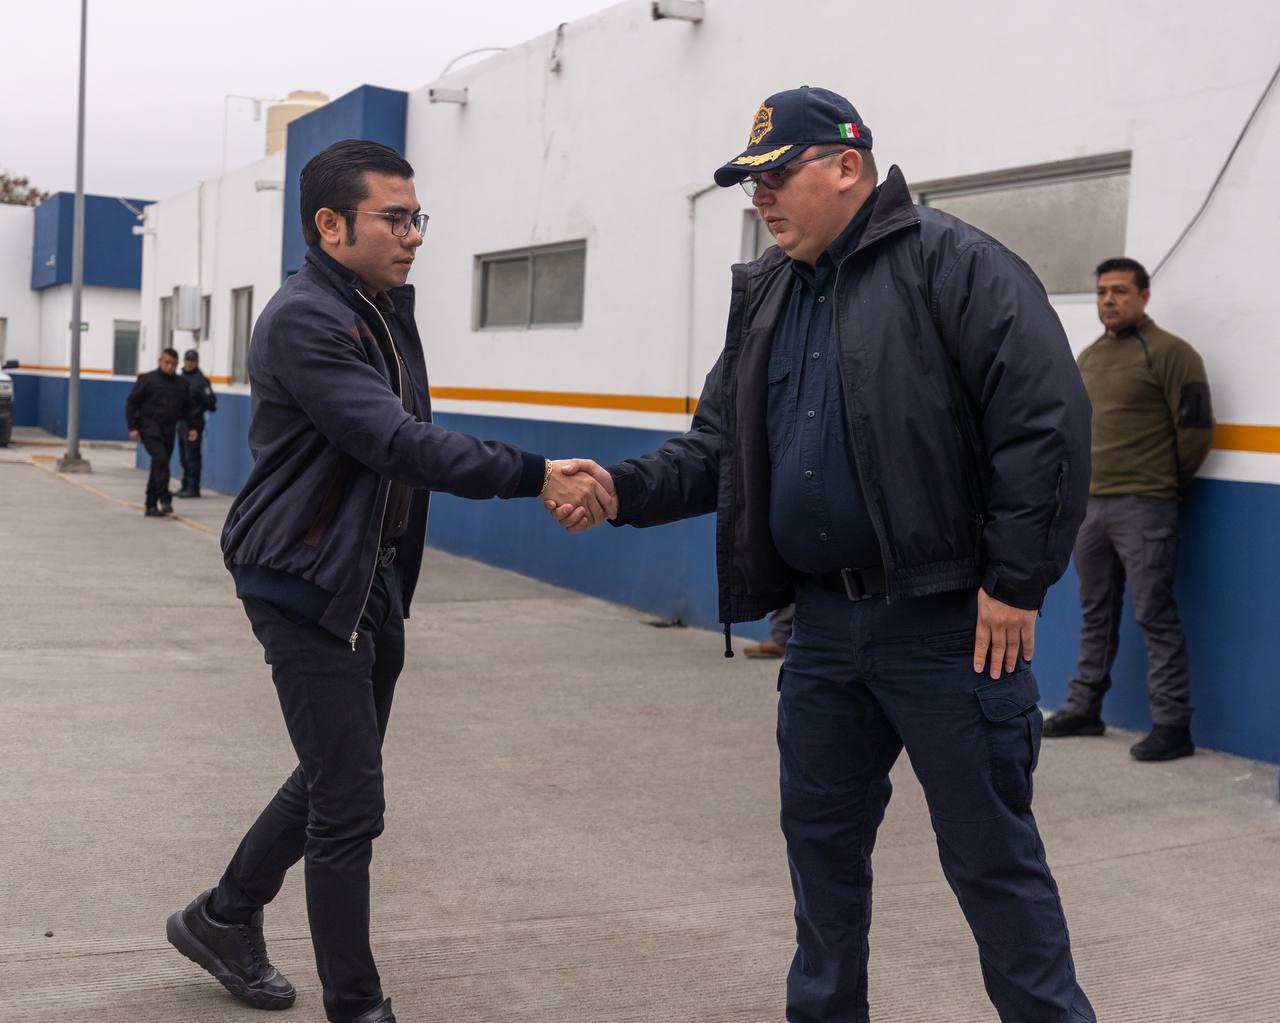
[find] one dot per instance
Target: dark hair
(868, 161)
(334, 179)
(1122, 265)
(169, 351)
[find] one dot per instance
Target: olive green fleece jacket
(1152, 418)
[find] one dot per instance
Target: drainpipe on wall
(690, 371)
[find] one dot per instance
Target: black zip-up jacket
(158, 402)
(328, 434)
(967, 419)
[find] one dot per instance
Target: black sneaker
(382, 1014)
(1166, 742)
(187, 492)
(236, 955)
(1066, 723)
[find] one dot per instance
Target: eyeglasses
(400, 222)
(775, 179)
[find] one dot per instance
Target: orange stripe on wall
(63, 369)
(1226, 436)
(1238, 437)
(568, 399)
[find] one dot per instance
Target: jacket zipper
(355, 629)
(872, 507)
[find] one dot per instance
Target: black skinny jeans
(336, 704)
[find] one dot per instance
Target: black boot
(1066, 722)
(153, 512)
(236, 954)
(382, 1014)
(1166, 742)
(188, 492)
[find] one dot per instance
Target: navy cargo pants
(861, 680)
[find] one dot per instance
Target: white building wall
(641, 112)
(99, 308)
(221, 235)
(19, 305)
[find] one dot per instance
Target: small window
(124, 350)
(166, 323)
(535, 288)
(241, 331)
(1062, 218)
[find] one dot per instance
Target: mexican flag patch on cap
(848, 130)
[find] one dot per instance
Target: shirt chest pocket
(781, 410)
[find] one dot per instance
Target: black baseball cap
(787, 124)
(191, 353)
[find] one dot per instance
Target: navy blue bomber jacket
(967, 419)
(328, 434)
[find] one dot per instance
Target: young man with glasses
(896, 438)
(325, 543)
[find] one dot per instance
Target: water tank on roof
(289, 109)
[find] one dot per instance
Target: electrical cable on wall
(1221, 173)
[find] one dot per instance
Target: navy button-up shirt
(817, 513)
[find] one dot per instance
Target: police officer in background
(205, 400)
(896, 437)
(158, 403)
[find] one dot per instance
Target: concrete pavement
(581, 814)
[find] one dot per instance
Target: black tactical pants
(192, 460)
(159, 447)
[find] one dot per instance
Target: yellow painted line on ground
(1240, 437)
(48, 463)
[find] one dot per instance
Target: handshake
(579, 494)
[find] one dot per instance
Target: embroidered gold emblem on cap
(756, 161)
(762, 125)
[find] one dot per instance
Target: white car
(6, 404)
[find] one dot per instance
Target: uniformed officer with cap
(204, 399)
(896, 437)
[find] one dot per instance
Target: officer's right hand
(577, 520)
(575, 487)
(1003, 632)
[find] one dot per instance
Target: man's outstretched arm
(678, 481)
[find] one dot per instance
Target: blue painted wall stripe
(1228, 564)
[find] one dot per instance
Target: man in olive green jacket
(1152, 427)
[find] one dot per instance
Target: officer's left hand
(192, 435)
(1002, 631)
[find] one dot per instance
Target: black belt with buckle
(387, 554)
(854, 583)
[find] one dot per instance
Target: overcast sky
(158, 72)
